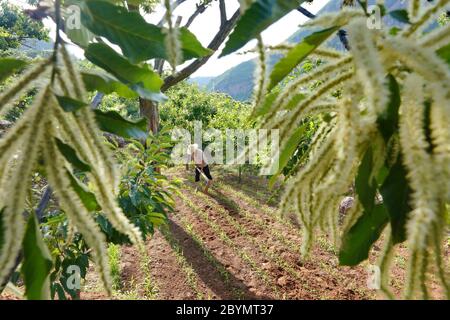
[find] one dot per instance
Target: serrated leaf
(157, 219)
(191, 47)
(359, 239)
(107, 84)
(288, 151)
(396, 197)
(87, 198)
(69, 104)
(37, 262)
(138, 40)
(260, 15)
(366, 187)
(400, 15)
(297, 54)
(388, 120)
(8, 66)
(140, 78)
(71, 156)
(113, 122)
(270, 99)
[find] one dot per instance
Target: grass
(132, 294)
(290, 245)
(150, 289)
(254, 203)
(322, 242)
(114, 264)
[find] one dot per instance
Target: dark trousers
(205, 171)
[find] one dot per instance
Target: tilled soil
(218, 246)
(230, 245)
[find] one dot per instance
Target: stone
(282, 281)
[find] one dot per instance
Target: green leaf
(268, 102)
(388, 120)
(396, 197)
(191, 47)
(113, 122)
(138, 40)
(444, 53)
(394, 31)
(260, 15)
(297, 54)
(400, 15)
(87, 198)
(37, 262)
(79, 35)
(270, 99)
(288, 151)
(58, 289)
(382, 9)
(9, 66)
(366, 187)
(359, 239)
(140, 78)
(107, 84)
(69, 104)
(71, 155)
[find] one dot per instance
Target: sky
(206, 26)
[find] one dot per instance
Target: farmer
(196, 155)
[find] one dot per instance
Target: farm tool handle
(202, 173)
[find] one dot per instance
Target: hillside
(238, 81)
(35, 47)
(201, 81)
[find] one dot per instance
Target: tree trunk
(149, 110)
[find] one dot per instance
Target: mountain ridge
(238, 81)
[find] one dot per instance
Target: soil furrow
(296, 279)
(287, 281)
(236, 249)
(214, 270)
(170, 278)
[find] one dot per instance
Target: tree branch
(223, 12)
(342, 34)
(306, 13)
(219, 38)
(200, 8)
